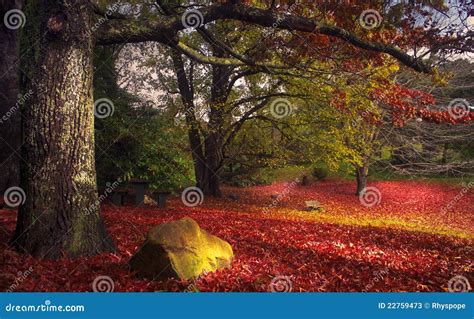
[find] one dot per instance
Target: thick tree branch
(165, 30)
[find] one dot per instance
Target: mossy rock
(180, 249)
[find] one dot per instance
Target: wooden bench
(160, 197)
(139, 187)
(118, 196)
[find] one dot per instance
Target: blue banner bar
(236, 305)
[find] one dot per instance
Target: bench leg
(162, 201)
(139, 195)
(117, 199)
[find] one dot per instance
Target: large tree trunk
(214, 139)
(207, 164)
(207, 156)
(9, 101)
(210, 181)
(61, 213)
(208, 167)
(361, 177)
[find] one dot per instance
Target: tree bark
(61, 210)
(210, 183)
(361, 177)
(214, 143)
(9, 101)
(207, 156)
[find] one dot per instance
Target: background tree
(10, 100)
(424, 148)
(135, 140)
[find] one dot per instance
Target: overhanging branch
(165, 29)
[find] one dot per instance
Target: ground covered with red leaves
(416, 238)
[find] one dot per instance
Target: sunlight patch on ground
(365, 221)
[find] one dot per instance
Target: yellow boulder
(180, 249)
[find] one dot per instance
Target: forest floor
(410, 241)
